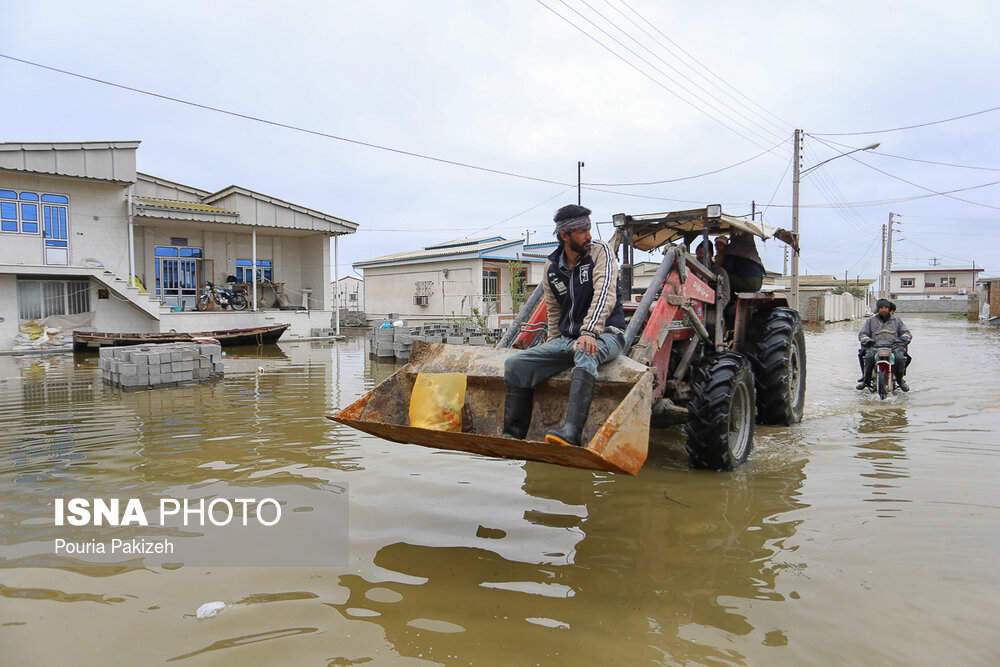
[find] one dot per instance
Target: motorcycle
(885, 377)
(236, 298)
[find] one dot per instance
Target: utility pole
(579, 166)
(888, 258)
(796, 176)
(881, 270)
(784, 268)
(527, 237)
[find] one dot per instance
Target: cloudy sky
(399, 115)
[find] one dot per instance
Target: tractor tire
(777, 352)
(721, 413)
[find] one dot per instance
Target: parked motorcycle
(225, 298)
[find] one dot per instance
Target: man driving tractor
(885, 329)
(585, 328)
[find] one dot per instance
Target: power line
(786, 125)
(933, 192)
(694, 106)
(913, 159)
(679, 73)
(688, 178)
(283, 125)
(906, 127)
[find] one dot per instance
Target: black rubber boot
(901, 383)
(581, 393)
(866, 380)
(517, 412)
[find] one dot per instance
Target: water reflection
(885, 427)
(622, 561)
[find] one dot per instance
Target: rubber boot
(901, 383)
(866, 380)
(517, 412)
(581, 393)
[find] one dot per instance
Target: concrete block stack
(160, 365)
(397, 341)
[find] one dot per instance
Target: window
(244, 273)
(906, 282)
(21, 212)
(948, 282)
(353, 296)
(41, 298)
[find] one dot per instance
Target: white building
(447, 281)
(351, 293)
(932, 282)
(76, 220)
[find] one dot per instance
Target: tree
(518, 283)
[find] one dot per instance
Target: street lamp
(796, 177)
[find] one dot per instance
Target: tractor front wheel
(721, 413)
(777, 352)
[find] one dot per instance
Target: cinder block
(126, 368)
(106, 352)
(187, 365)
(175, 355)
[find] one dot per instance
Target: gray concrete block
(106, 352)
(175, 355)
(126, 368)
(187, 365)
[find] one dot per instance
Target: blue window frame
(22, 213)
(245, 275)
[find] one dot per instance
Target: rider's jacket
(585, 298)
(885, 332)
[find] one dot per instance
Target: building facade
(84, 236)
(350, 294)
(452, 281)
(932, 282)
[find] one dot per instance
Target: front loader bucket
(616, 433)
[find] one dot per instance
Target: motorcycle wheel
(203, 302)
(883, 383)
(239, 302)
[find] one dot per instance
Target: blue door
(56, 230)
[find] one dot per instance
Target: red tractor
(695, 353)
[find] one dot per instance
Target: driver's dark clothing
(885, 332)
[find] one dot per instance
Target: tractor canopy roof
(655, 230)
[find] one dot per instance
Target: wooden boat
(91, 340)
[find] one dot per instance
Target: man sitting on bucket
(885, 329)
(585, 328)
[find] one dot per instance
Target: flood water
(867, 534)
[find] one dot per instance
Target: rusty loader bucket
(616, 433)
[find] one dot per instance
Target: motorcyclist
(885, 329)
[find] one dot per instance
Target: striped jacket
(585, 298)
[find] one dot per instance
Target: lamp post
(797, 174)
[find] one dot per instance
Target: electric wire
(905, 127)
(699, 109)
(286, 126)
(697, 86)
(785, 124)
(913, 159)
(688, 178)
(933, 192)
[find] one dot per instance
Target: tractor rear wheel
(777, 352)
(721, 413)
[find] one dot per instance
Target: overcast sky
(513, 86)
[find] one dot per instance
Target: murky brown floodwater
(866, 535)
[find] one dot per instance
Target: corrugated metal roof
(178, 205)
(432, 252)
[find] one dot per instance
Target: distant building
(932, 282)
(446, 281)
(351, 294)
(76, 220)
